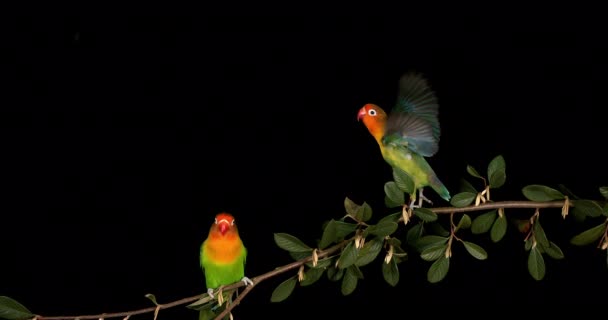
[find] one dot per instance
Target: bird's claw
(210, 293)
(247, 281)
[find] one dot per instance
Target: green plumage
(218, 274)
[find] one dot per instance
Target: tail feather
(441, 190)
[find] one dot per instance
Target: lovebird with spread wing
(223, 254)
(409, 134)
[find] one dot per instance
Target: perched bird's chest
(224, 250)
(410, 162)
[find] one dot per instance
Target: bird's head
(224, 223)
(374, 119)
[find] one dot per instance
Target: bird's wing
(416, 98)
(410, 131)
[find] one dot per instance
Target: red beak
(361, 114)
(223, 227)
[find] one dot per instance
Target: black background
(124, 136)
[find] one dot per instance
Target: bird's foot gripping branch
(348, 245)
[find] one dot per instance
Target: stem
(255, 280)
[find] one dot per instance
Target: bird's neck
(376, 128)
(224, 249)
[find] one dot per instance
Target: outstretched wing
(413, 121)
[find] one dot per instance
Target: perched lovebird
(223, 254)
(409, 133)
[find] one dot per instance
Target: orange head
(224, 223)
(374, 119)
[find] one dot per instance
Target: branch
(255, 280)
(503, 204)
(297, 264)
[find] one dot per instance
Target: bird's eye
(215, 220)
(371, 112)
(232, 223)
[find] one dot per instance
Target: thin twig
(255, 280)
(297, 264)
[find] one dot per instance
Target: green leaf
(330, 234)
(311, 276)
(496, 172)
(499, 228)
(382, 229)
(348, 256)
(390, 272)
(394, 194)
(463, 199)
(589, 236)
(537, 192)
(536, 264)
(10, 309)
(471, 170)
(299, 255)
(588, 208)
(343, 229)
(475, 250)
(425, 214)
(369, 252)
(394, 217)
(430, 240)
(438, 229)
(152, 298)
(283, 290)
(434, 252)
(438, 270)
(528, 244)
(466, 186)
(403, 181)
(483, 222)
(464, 223)
(334, 274)
(351, 207)
(202, 303)
(414, 234)
(604, 192)
(539, 234)
(364, 213)
(349, 282)
(206, 314)
(554, 251)
(290, 243)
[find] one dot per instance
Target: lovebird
(223, 254)
(409, 133)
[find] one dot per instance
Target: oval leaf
(394, 217)
(10, 309)
(588, 208)
(539, 235)
(334, 274)
(343, 229)
(499, 228)
(475, 250)
(464, 223)
(403, 181)
(329, 234)
(483, 222)
(350, 206)
(604, 192)
(390, 272)
(425, 214)
(152, 298)
(349, 282)
(496, 172)
(311, 276)
(438, 270)
(536, 264)
(290, 243)
(348, 256)
(283, 290)
(430, 240)
(471, 170)
(554, 251)
(466, 186)
(383, 229)
(414, 234)
(364, 213)
(433, 253)
(463, 199)
(589, 236)
(537, 192)
(369, 252)
(394, 194)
